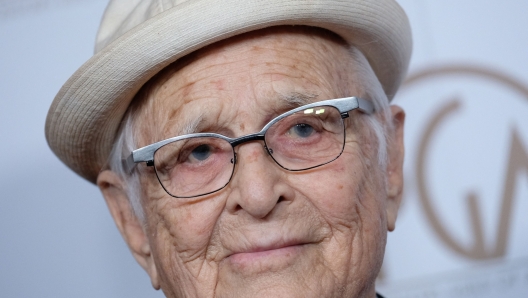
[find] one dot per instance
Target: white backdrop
(462, 230)
(462, 226)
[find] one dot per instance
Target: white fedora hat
(138, 38)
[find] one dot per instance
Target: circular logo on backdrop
(468, 154)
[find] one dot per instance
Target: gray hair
(379, 124)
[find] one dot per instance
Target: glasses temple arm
(365, 106)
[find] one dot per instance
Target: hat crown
(122, 15)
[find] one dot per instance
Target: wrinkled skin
(270, 232)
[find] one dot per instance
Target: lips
(269, 247)
(272, 253)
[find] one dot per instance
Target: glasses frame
(343, 105)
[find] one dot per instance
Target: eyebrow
(188, 127)
(192, 126)
(292, 100)
(297, 99)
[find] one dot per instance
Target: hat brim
(86, 113)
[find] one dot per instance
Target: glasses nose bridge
(247, 138)
(259, 136)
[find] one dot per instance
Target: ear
(396, 153)
(114, 192)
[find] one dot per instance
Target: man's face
(269, 232)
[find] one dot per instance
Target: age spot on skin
(252, 158)
(340, 169)
(219, 84)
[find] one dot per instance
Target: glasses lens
(194, 166)
(307, 139)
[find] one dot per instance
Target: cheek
(333, 190)
(183, 229)
(345, 192)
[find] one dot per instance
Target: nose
(258, 184)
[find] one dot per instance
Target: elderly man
(240, 155)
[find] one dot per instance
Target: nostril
(281, 198)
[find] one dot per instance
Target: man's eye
(302, 130)
(201, 152)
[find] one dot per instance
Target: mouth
(270, 257)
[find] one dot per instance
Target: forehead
(254, 75)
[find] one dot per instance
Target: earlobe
(394, 169)
(113, 190)
(151, 267)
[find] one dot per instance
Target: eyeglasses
(304, 138)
